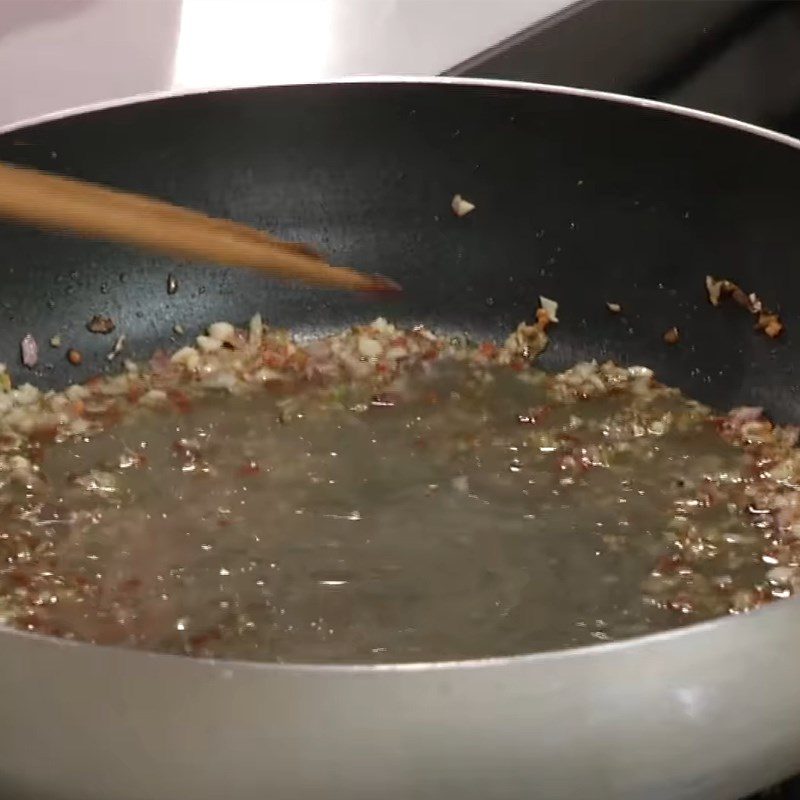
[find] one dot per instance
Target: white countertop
(57, 54)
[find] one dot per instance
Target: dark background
(739, 58)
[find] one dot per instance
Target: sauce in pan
(384, 496)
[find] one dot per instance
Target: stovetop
(739, 58)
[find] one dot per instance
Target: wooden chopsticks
(64, 204)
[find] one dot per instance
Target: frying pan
(583, 197)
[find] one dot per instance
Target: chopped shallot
(30, 350)
(714, 289)
(208, 344)
(256, 330)
(368, 347)
(188, 357)
(766, 320)
(154, 397)
(460, 206)
(222, 332)
(550, 306)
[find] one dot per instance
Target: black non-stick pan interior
(582, 199)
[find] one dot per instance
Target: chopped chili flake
(180, 400)
(250, 467)
(672, 336)
(542, 318)
(273, 360)
(134, 393)
(100, 324)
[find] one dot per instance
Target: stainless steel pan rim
(546, 88)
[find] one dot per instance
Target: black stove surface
(739, 58)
